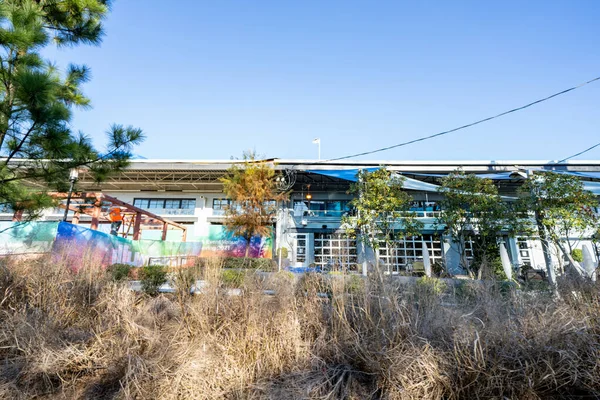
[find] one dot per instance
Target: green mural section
(27, 237)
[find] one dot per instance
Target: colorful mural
(27, 237)
(223, 243)
(76, 245)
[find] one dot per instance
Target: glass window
(172, 204)
(141, 203)
(220, 204)
(153, 203)
(188, 204)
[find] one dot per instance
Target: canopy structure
(134, 218)
(592, 186)
(352, 174)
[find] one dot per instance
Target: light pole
(73, 176)
(317, 141)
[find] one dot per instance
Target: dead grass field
(82, 336)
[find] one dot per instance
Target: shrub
(466, 290)
(437, 268)
(431, 285)
(282, 252)
(312, 283)
(119, 272)
(577, 255)
(184, 278)
(354, 284)
(232, 278)
(153, 277)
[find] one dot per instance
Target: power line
(580, 153)
(469, 125)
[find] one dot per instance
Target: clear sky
(207, 80)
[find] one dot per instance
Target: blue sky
(207, 80)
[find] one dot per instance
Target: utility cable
(580, 153)
(469, 125)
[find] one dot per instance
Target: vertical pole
(136, 226)
(76, 216)
(96, 215)
(18, 216)
(281, 228)
(184, 235)
(164, 232)
(68, 200)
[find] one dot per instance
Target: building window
(221, 204)
(167, 204)
(335, 249)
(301, 247)
(408, 250)
(322, 208)
(153, 204)
(187, 204)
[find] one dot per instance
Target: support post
(164, 231)
(76, 216)
(136, 226)
(18, 216)
(96, 215)
(184, 235)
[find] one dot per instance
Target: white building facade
(308, 225)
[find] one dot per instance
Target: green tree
(473, 209)
(251, 187)
(383, 213)
(562, 208)
(37, 144)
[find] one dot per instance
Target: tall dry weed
(76, 334)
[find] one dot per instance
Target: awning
(593, 187)
(346, 174)
(351, 175)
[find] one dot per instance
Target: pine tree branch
(21, 143)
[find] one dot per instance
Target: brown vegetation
(82, 336)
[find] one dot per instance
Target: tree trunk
(463, 257)
(247, 252)
(572, 262)
(546, 250)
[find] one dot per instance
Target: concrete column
(511, 244)
(451, 255)
(310, 248)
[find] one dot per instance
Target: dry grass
(80, 336)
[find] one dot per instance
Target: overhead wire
(580, 153)
(468, 125)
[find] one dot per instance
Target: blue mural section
(77, 246)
